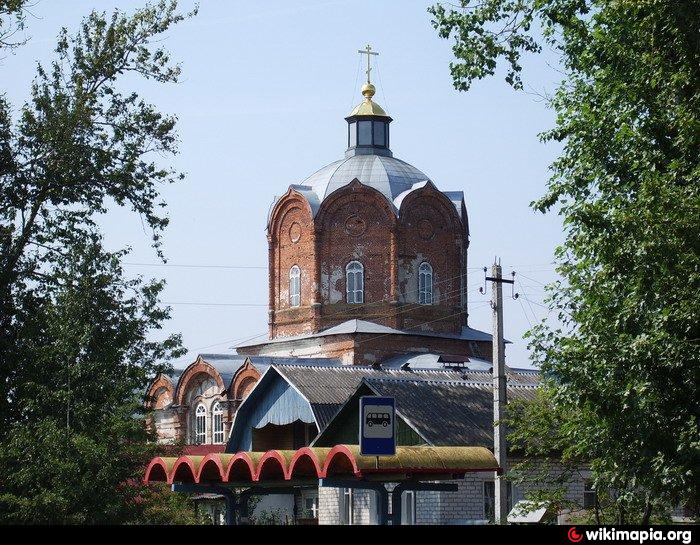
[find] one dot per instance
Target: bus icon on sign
(377, 426)
(378, 419)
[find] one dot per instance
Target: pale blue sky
(265, 89)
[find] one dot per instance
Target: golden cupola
(368, 123)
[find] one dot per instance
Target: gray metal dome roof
(388, 175)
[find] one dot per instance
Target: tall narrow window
(217, 414)
(355, 282)
(347, 511)
(364, 133)
(379, 136)
(425, 284)
(408, 507)
(294, 286)
(200, 430)
(352, 135)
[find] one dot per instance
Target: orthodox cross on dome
(367, 51)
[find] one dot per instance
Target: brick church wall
(430, 231)
(291, 242)
(357, 223)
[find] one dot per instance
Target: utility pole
(499, 390)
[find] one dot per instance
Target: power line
(381, 86)
(355, 308)
(216, 266)
(204, 304)
(236, 340)
(532, 279)
(525, 313)
(212, 266)
(536, 303)
(188, 266)
(524, 296)
(409, 308)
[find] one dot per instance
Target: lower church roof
(353, 326)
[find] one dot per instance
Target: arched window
(425, 284)
(217, 417)
(200, 425)
(295, 286)
(355, 282)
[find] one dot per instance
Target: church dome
(388, 175)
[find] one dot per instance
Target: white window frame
(425, 283)
(200, 425)
(408, 507)
(217, 420)
(346, 506)
(355, 282)
(310, 496)
(295, 286)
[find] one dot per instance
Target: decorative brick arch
(354, 191)
(292, 199)
(154, 395)
(432, 196)
(431, 230)
(243, 381)
(195, 369)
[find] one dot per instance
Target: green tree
(622, 369)
(77, 344)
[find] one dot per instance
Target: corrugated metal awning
(311, 463)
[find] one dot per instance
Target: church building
(368, 262)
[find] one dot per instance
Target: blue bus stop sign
(377, 426)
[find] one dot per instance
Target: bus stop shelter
(239, 476)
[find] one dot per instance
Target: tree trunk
(647, 511)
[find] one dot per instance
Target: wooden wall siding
(274, 402)
(273, 437)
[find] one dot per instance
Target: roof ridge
(341, 162)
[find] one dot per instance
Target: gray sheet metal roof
(421, 360)
(457, 198)
(327, 388)
(363, 326)
(392, 177)
(225, 364)
(446, 413)
(388, 175)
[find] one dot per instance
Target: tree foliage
(623, 366)
(77, 344)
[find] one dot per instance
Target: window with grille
(425, 284)
(200, 429)
(218, 423)
(355, 282)
(295, 286)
